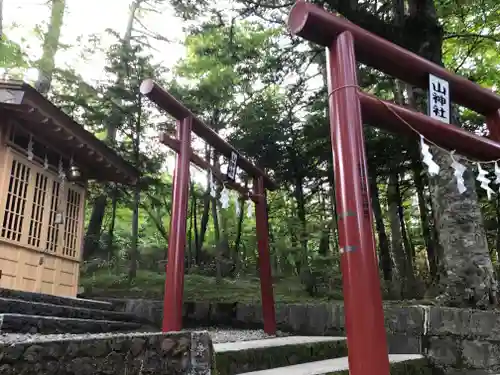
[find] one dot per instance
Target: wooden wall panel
(9, 264)
(36, 254)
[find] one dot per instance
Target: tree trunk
(468, 278)
(218, 248)
(136, 142)
(383, 241)
(50, 47)
(215, 218)
(497, 208)
(218, 254)
(292, 261)
(324, 242)
(424, 216)
(189, 255)
(194, 202)
(1, 18)
(430, 237)
(111, 124)
(205, 216)
(301, 214)
(99, 209)
(134, 250)
(239, 232)
(409, 250)
(93, 234)
(111, 230)
(398, 250)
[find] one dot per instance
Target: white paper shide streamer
(237, 206)
(458, 172)
(432, 167)
(497, 174)
(60, 170)
(485, 182)
(31, 155)
(224, 198)
(249, 209)
(213, 187)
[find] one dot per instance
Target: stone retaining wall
(454, 339)
(128, 354)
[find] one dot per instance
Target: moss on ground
(150, 285)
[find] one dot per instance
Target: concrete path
(326, 367)
(273, 342)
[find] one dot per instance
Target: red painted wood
(174, 144)
(493, 123)
(381, 114)
(365, 329)
(266, 282)
(321, 27)
(174, 281)
(173, 107)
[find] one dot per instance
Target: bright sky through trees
(82, 19)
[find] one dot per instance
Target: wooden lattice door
(38, 253)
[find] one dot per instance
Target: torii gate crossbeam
(346, 44)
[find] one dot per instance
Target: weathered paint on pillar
(266, 282)
(174, 282)
(493, 123)
(366, 336)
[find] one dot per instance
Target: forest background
(235, 65)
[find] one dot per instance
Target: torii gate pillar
(364, 317)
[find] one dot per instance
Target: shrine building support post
(174, 281)
(364, 316)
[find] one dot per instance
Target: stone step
(34, 324)
(55, 300)
(401, 364)
(243, 356)
(16, 306)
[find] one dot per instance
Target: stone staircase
(49, 335)
(300, 355)
(33, 313)
(401, 364)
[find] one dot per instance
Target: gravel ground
(234, 335)
(218, 336)
(19, 338)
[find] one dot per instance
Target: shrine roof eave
(317, 25)
(48, 123)
(389, 116)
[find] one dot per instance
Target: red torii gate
(349, 106)
(174, 282)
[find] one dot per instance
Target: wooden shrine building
(46, 160)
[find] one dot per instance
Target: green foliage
(150, 284)
(266, 93)
(11, 54)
